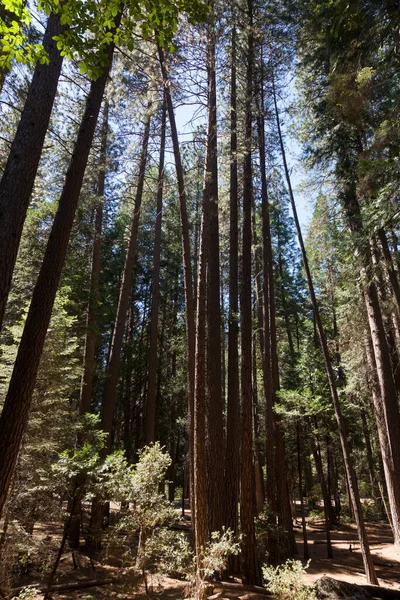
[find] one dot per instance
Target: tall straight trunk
(91, 321)
(368, 448)
(15, 413)
(352, 480)
(391, 476)
(316, 449)
(306, 553)
(201, 509)
(214, 408)
(152, 385)
(258, 472)
(187, 265)
(19, 174)
(110, 388)
(276, 455)
(249, 566)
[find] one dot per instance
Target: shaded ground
(345, 565)
(347, 562)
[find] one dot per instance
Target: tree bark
(19, 174)
(187, 267)
(214, 408)
(306, 553)
(15, 413)
(249, 566)
(152, 387)
(277, 487)
(391, 476)
(232, 456)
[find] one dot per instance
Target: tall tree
(24, 156)
(351, 476)
(249, 568)
(15, 412)
(152, 388)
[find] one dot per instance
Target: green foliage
(218, 550)
(14, 18)
(286, 582)
(170, 553)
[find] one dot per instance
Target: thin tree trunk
(201, 517)
(306, 553)
(325, 498)
(353, 485)
(110, 388)
(91, 322)
(187, 268)
(15, 413)
(249, 567)
(19, 174)
(277, 458)
(152, 385)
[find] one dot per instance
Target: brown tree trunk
(325, 497)
(19, 174)
(110, 388)
(214, 408)
(15, 413)
(201, 516)
(353, 485)
(306, 553)
(277, 471)
(391, 476)
(232, 456)
(91, 321)
(249, 566)
(152, 385)
(187, 267)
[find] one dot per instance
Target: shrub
(286, 582)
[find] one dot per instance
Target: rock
(328, 588)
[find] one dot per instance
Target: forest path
(346, 563)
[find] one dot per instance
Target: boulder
(328, 588)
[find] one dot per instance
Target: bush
(286, 582)
(217, 552)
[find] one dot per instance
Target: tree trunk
(214, 409)
(15, 413)
(152, 386)
(19, 174)
(325, 498)
(187, 267)
(249, 567)
(232, 457)
(276, 471)
(201, 517)
(110, 388)
(306, 553)
(391, 476)
(353, 485)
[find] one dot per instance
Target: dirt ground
(345, 565)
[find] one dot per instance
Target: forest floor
(346, 565)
